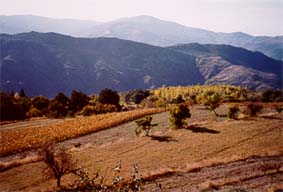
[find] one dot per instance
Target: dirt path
(255, 174)
(29, 123)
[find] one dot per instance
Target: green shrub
(179, 114)
(232, 112)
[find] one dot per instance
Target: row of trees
(16, 107)
(19, 106)
(227, 93)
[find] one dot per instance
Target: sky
(255, 17)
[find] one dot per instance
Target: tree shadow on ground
(163, 138)
(198, 129)
(270, 117)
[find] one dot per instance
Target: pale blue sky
(256, 17)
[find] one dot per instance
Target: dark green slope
(46, 63)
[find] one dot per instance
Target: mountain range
(47, 63)
(145, 29)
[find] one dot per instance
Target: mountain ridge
(48, 63)
(154, 31)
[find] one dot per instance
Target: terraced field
(213, 154)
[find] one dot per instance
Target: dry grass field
(213, 154)
(18, 139)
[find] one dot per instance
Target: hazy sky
(256, 17)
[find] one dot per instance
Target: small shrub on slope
(179, 114)
(232, 112)
(252, 109)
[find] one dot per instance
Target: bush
(41, 103)
(252, 109)
(87, 110)
(98, 109)
(85, 182)
(232, 112)
(179, 114)
(160, 102)
(179, 99)
(108, 96)
(144, 126)
(212, 102)
(272, 96)
(34, 112)
(149, 102)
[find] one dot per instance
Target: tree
(178, 99)
(57, 109)
(136, 96)
(60, 97)
(144, 125)
(10, 109)
(78, 100)
(58, 162)
(212, 102)
(108, 96)
(41, 103)
(272, 96)
(22, 93)
(178, 117)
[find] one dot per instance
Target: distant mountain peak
(142, 28)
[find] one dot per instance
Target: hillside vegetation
(34, 61)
